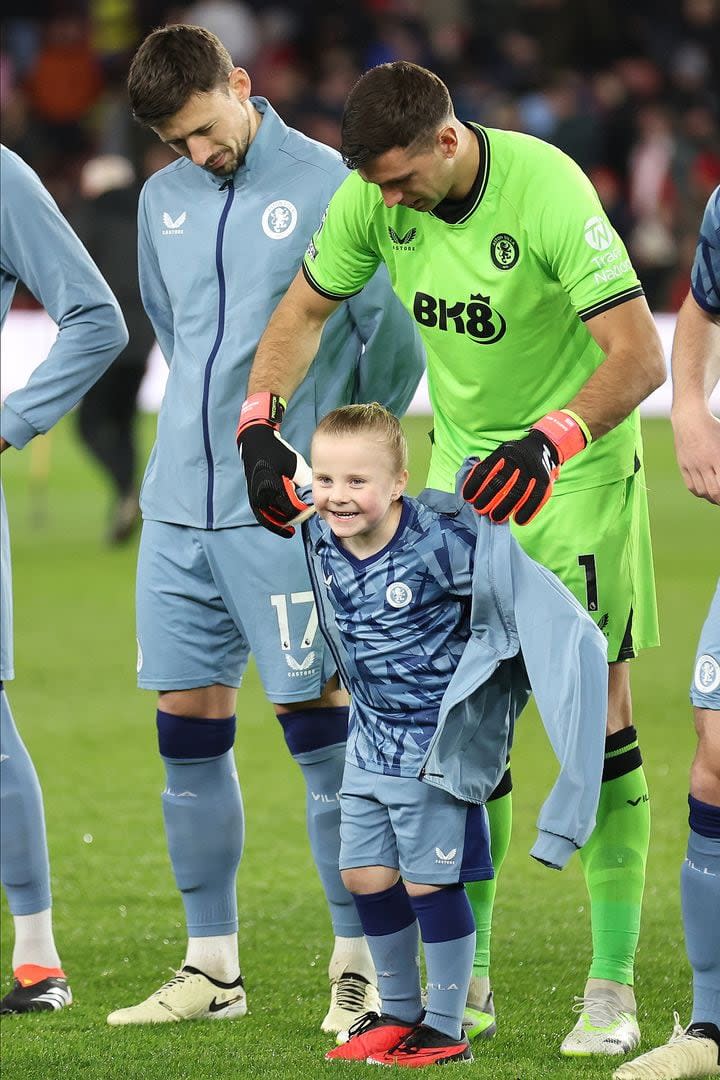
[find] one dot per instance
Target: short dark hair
(171, 65)
(396, 104)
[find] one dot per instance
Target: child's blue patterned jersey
(403, 618)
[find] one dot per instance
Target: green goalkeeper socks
(614, 859)
(613, 862)
(481, 894)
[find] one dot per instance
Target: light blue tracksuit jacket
(215, 258)
(38, 247)
(528, 635)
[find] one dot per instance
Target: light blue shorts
(207, 599)
(705, 689)
(398, 821)
(6, 609)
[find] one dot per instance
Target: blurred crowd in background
(631, 90)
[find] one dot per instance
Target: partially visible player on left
(39, 248)
(694, 1051)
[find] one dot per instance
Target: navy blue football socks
(447, 929)
(204, 822)
(391, 931)
(316, 739)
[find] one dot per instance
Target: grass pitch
(118, 918)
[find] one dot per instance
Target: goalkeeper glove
(516, 480)
(272, 467)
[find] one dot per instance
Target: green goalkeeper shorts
(597, 541)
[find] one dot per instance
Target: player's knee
(705, 775)
(352, 880)
(413, 889)
(364, 880)
(310, 730)
(181, 737)
(619, 714)
(213, 702)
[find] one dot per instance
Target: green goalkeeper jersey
(500, 287)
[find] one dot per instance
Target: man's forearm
(613, 391)
(633, 367)
(285, 351)
(695, 357)
(696, 370)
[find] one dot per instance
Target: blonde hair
(371, 419)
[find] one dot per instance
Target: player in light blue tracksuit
(695, 362)
(38, 248)
(221, 233)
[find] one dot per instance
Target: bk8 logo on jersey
(475, 317)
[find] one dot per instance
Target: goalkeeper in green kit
(540, 346)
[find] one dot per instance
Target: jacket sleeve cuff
(552, 850)
(14, 429)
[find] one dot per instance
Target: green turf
(118, 918)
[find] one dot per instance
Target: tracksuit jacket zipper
(209, 512)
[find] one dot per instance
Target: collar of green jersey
(457, 211)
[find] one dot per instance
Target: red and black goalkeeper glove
(516, 480)
(272, 467)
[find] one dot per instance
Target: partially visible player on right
(694, 1051)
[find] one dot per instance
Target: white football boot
(189, 995)
(479, 1019)
(607, 1023)
(351, 996)
(687, 1054)
(353, 986)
